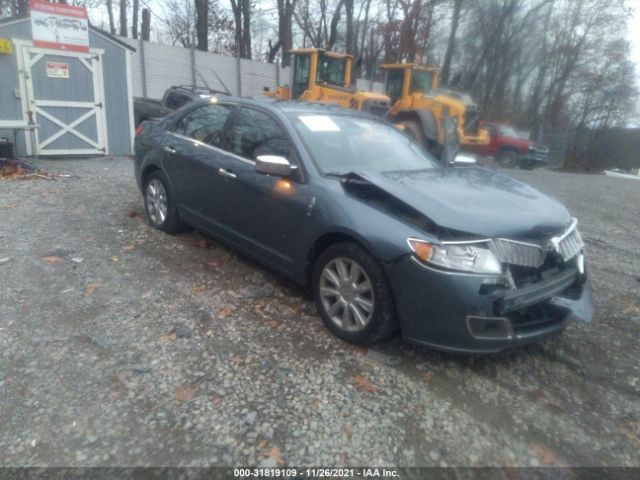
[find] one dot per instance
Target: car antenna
(219, 79)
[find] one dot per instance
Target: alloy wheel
(156, 202)
(346, 293)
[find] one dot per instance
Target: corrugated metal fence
(156, 67)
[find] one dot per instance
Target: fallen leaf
(134, 214)
(198, 289)
(115, 259)
(202, 243)
(544, 454)
(274, 323)
(224, 312)
(213, 264)
(426, 377)
(360, 349)
(238, 360)
(129, 248)
(262, 444)
(169, 337)
(364, 384)
(92, 287)
(184, 393)
(274, 454)
(53, 259)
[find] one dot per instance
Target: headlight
(467, 257)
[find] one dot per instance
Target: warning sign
(57, 70)
(57, 25)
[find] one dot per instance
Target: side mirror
(274, 165)
(464, 159)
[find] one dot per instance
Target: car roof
(287, 106)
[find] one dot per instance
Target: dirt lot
(121, 345)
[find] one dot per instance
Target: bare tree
(123, 18)
(242, 21)
(134, 18)
(451, 44)
(202, 24)
(146, 24)
(112, 23)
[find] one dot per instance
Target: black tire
(382, 321)
(170, 222)
(508, 158)
(527, 165)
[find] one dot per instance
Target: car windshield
(340, 144)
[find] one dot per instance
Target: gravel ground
(123, 346)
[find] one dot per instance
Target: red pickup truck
(510, 150)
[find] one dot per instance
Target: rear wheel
(508, 159)
(352, 295)
(160, 205)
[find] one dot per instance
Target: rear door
(191, 157)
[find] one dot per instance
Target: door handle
(169, 149)
(226, 173)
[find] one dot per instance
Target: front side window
(340, 144)
(420, 81)
(301, 67)
(257, 133)
(205, 124)
(330, 70)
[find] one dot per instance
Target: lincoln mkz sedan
(386, 238)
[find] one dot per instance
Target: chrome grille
(518, 253)
(569, 245)
(512, 252)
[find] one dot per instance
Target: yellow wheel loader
(420, 107)
(322, 76)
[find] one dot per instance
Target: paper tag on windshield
(319, 123)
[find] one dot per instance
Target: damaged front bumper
(474, 313)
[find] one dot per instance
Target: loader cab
(313, 67)
(405, 79)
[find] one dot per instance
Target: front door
(265, 213)
(66, 95)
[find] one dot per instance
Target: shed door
(66, 95)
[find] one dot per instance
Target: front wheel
(352, 295)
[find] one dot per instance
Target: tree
(242, 21)
(285, 30)
(112, 23)
(134, 18)
(202, 24)
(123, 18)
(451, 44)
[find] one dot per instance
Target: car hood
(475, 200)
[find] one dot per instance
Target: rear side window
(205, 124)
(257, 133)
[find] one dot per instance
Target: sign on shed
(57, 70)
(57, 25)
